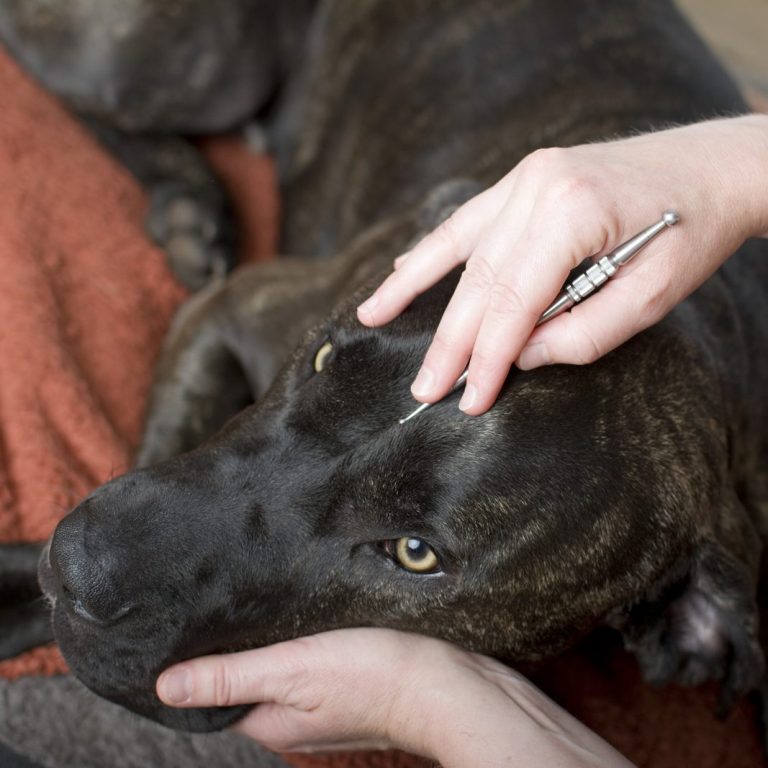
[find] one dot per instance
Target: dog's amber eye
(322, 356)
(416, 555)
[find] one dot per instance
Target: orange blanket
(84, 302)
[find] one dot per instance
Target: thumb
(597, 326)
(229, 679)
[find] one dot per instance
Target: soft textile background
(84, 301)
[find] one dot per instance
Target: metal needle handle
(584, 285)
(604, 268)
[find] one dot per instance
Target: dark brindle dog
(629, 492)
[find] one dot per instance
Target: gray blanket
(57, 723)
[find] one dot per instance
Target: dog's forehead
(443, 462)
(551, 447)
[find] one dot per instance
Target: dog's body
(630, 492)
(145, 73)
(159, 66)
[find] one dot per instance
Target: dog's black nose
(86, 572)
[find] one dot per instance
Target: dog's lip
(45, 574)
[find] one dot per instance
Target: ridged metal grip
(585, 284)
(604, 268)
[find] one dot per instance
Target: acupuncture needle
(582, 286)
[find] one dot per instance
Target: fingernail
(399, 260)
(469, 398)
(422, 383)
(533, 356)
(175, 687)
(369, 304)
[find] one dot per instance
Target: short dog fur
(630, 492)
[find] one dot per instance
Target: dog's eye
(415, 555)
(323, 356)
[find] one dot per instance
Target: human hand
(521, 237)
(377, 689)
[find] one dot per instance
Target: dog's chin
(201, 720)
(196, 719)
(142, 699)
(145, 702)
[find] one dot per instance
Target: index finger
(526, 284)
(449, 245)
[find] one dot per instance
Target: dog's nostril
(84, 574)
(77, 605)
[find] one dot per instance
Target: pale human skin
(521, 237)
(379, 688)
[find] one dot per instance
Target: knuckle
(586, 349)
(574, 196)
(586, 352)
(505, 300)
(485, 364)
(655, 304)
(650, 309)
(478, 276)
(575, 192)
(448, 233)
(222, 687)
(297, 664)
(546, 161)
(443, 344)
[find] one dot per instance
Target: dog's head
(509, 533)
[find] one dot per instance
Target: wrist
(716, 171)
(739, 151)
(475, 720)
(492, 716)
(757, 127)
(472, 728)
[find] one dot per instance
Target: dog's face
(509, 533)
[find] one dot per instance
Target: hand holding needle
(584, 285)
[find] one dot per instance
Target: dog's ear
(704, 626)
(224, 348)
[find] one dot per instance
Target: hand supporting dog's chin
(195, 719)
(501, 713)
(142, 701)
